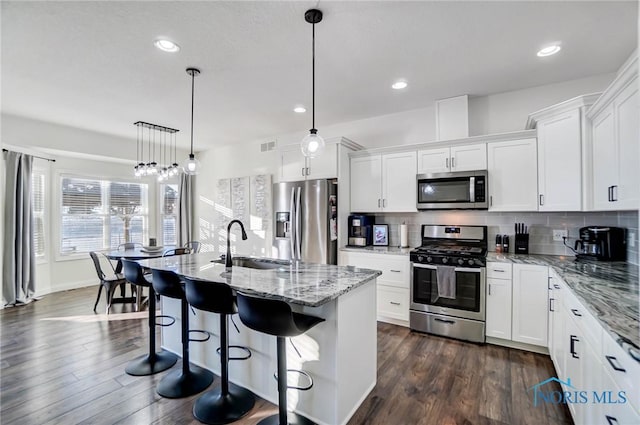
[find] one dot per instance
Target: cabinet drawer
(393, 302)
(589, 326)
(623, 369)
(395, 268)
(499, 270)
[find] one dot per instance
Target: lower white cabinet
(530, 300)
(517, 303)
(392, 285)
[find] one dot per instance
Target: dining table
(137, 253)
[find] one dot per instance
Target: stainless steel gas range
(448, 278)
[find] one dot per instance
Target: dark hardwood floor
(62, 364)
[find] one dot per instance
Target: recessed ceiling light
(166, 45)
(299, 109)
(399, 85)
(549, 50)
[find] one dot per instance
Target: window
(38, 202)
(99, 214)
(169, 213)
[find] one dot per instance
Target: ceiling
(93, 65)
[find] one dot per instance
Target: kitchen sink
(255, 263)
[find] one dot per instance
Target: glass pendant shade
(312, 144)
(192, 165)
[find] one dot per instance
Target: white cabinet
(295, 166)
(530, 300)
(384, 183)
(615, 147)
(454, 158)
(498, 321)
(392, 284)
(513, 180)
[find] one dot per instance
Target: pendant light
(312, 144)
(192, 166)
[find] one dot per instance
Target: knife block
(522, 243)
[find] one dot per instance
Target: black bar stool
(191, 379)
(230, 402)
(274, 317)
(153, 362)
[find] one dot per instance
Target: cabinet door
(513, 179)
(325, 165)
(292, 165)
(530, 300)
(393, 302)
(559, 348)
(605, 167)
(499, 308)
(468, 158)
(366, 181)
(434, 161)
(574, 349)
(399, 182)
(559, 163)
(628, 137)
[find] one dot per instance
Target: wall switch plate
(559, 234)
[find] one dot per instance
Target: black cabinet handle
(611, 359)
(448, 322)
(611, 420)
(541, 199)
(576, 312)
(572, 341)
(609, 193)
(393, 303)
(556, 286)
(551, 300)
(614, 193)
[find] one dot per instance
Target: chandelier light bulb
(312, 144)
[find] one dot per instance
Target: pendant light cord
(193, 77)
(313, 76)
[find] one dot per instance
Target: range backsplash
(541, 226)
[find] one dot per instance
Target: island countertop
(310, 285)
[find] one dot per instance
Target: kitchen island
(340, 353)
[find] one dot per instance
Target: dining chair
(110, 279)
(194, 246)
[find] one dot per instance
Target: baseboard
(517, 345)
(67, 286)
(384, 319)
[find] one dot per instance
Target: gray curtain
(18, 273)
(186, 216)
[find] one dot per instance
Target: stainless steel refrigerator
(306, 221)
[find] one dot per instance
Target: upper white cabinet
(295, 166)
(384, 183)
(455, 158)
(615, 146)
(561, 129)
(513, 180)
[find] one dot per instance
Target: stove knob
(460, 261)
(470, 262)
(445, 260)
(429, 259)
(420, 257)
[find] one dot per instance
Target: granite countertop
(310, 284)
(609, 290)
(393, 250)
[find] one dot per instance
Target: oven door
(469, 301)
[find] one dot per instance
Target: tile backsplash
(541, 226)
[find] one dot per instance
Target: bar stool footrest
(201, 331)
(301, 372)
(171, 319)
(239, 347)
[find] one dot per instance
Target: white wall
(489, 114)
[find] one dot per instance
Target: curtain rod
(35, 156)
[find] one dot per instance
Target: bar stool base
(213, 408)
(177, 384)
(292, 419)
(148, 365)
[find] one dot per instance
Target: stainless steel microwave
(459, 190)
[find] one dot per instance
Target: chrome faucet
(227, 260)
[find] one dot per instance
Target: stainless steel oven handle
(458, 269)
(423, 266)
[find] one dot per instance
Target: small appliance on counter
(602, 243)
(360, 228)
(522, 239)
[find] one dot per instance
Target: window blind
(38, 202)
(169, 213)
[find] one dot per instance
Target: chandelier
(160, 144)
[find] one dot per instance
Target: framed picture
(381, 235)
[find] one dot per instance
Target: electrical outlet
(559, 234)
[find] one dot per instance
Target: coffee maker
(360, 228)
(602, 243)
